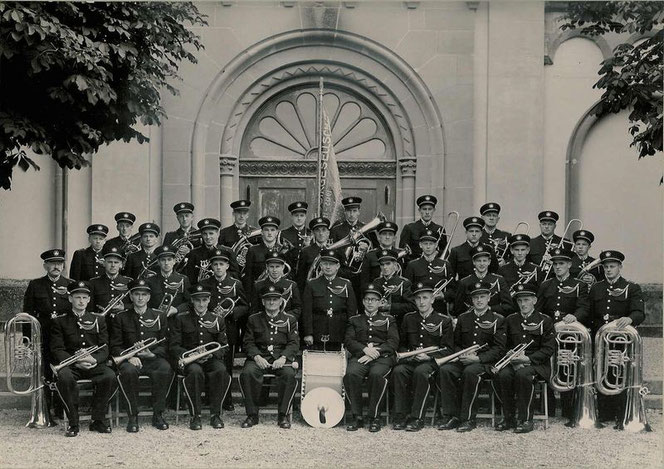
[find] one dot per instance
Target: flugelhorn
(202, 351)
(452, 218)
(78, 356)
(136, 348)
(412, 353)
(455, 356)
(509, 357)
(222, 312)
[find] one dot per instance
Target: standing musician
(169, 290)
(370, 266)
(397, 298)
(519, 269)
(477, 327)
(195, 328)
(491, 235)
(231, 234)
(124, 221)
(320, 227)
(460, 259)
(412, 378)
(430, 268)
(372, 339)
(327, 302)
(500, 300)
(271, 343)
(140, 322)
(184, 211)
(141, 263)
(198, 267)
(533, 363)
(583, 239)
(297, 234)
(109, 285)
(70, 333)
(542, 245)
(411, 233)
(225, 290)
(257, 254)
(619, 301)
(274, 265)
(88, 262)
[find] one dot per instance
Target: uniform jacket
(230, 235)
(512, 273)
(307, 258)
(500, 302)
(462, 264)
(489, 328)
(137, 262)
(45, 299)
(417, 332)
(496, 240)
(103, 290)
(567, 297)
(176, 285)
(202, 253)
(271, 338)
(410, 236)
(128, 328)
(610, 302)
(434, 272)
(381, 331)
(398, 292)
(294, 304)
(295, 237)
(255, 265)
(539, 245)
(539, 328)
(371, 267)
(86, 264)
(326, 306)
(229, 287)
(188, 330)
(70, 333)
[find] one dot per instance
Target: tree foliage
(74, 76)
(632, 77)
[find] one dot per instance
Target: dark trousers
(521, 382)
(251, 384)
(212, 373)
(412, 385)
(611, 408)
(458, 396)
(103, 381)
(376, 372)
(161, 377)
(228, 363)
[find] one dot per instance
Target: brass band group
(410, 315)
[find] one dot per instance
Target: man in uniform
(320, 227)
(542, 245)
(491, 235)
(271, 342)
(619, 301)
(328, 301)
(370, 266)
(256, 255)
(124, 241)
(192, 329)
(500, 300)
(231, 234)
(372, 340)
(411, 233)
(534, 363)
(297, 234)
(478, 327)
(70, 332)
(519, 270)
(169, 290)
(274, 265)
(430, 268)
(583, 239)
(198, 267)
(460, 259)
(397, 298)
(141, 323)
(411, 378)
(88, 262)
(184, 211)
(142, 263)
(109, 285)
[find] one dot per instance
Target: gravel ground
(268, 446)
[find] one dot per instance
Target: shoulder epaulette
(356, 316)
(467, 276)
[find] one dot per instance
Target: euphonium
(571, 368)
(24, 355)
(452, 218)
(195, 354)
(79, 355)
(412, 353)
(358, 244)
(618, 368)
(136, 348)
(242, 245)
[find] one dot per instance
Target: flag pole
(320, 145)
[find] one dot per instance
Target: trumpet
(455, 356)
(117, 300)
(202, 351)
(509, 357)
(452, 217)
(545, 263)
(222, 312)
(78, 356)
(294, 365)
(135, 349)
(412, 353)
(507, 245)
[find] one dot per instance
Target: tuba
(243, 244)
(23, 355)
(572, 368)
(618, 368)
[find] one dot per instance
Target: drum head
(322, 408)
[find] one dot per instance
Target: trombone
(202, 351)
(135, 349)
(545, 263)
(453, 215)
(509, 357)
(78, 356)
(507, 245)
(112, 304)
(412, 353)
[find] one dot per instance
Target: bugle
(78, 356)
(202, 351)
(452, 218)
(135, 349)
(455, 356)
(412, 353)
(509, 357)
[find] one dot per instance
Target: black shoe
(132, 424)
(158, 422)
(619, 426)
(524, 427)
(72, 430)
(450, 424)
(399, 423)
(283, 421)
(228, 406)
(195, 423)
(570, 423)
(250, 421)
(375, 425)
(415, 425)
(467, 426)
(354, 424)
(100, 426)
(505, 424)
(216, 422)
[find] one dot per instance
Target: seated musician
(271, 342)
(328, 301)
(430, 268)
(411, 378)
(519, 270)
(583, 240)
(372, 339)
(459, 380)
(71, 333)
(109, 285)
(370, 266)
(397, 297)
(169, 290)
(275, 264)
(141, 263)
(188, 331)
(518, 377)
(140, 322)
(320, 227)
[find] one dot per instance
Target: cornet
(202, 351)
(78, 356)
(509, 357)
(135, 349)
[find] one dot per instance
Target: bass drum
(322, 396)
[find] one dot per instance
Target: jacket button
(474, 342)
(475, 334)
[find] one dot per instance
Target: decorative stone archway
(299, 58)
